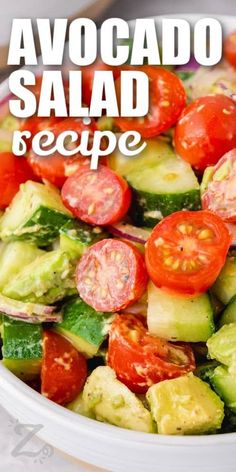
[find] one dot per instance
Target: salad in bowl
(118, 285)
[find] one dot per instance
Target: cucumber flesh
(225, 286)
(177, 318)
(22, 348)
(84, 327)
(35, 214)
(229, 314)
(14, 256)
(224, 383)
(162, 182)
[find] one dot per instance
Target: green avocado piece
(185, 406)
(109, 400)
(36, 214)
(46, 280)
(225, 286)
(222, 345)
(224, 383)
(77, 406)
(22, 348)
(13, 257)
(76, 236)
(84, 327)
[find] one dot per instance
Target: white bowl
(110, 447)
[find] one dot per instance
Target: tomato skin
(206, 130)
(220, 195)
(34, 124)
(230, 48)
(186, 251)
(13, 172)
(64, 370)
(88, 76)
(98, 197)
(111, 275)
(140, 359)
(56, 168)
(167, 100)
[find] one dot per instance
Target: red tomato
(64, 370)
(111, 275)
(99, 197)
(140, 359)
(88, 76)
(206, 130)
(220, 195)
(230, 48)
(35, 124)
(167, 100)
(13, 172)
(56, 168)
(186, 251)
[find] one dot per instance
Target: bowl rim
(15, 388)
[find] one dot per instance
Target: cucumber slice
(14, 256)
(76, 236)
(22, 348)
(229, 314)
(222, 345)
(185, 405)
(36, 214)
(46, 280)
(84, 327)
(224, 383)
(162, 183)
(225, 286)
(177, 318)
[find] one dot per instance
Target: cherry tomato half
(64, 370)
(166, 102)
(13, 172)
(140, 359)
(111, 275)
(206, 130)
(220, 195)
(98, 197)
(56, 168)
(186, 251)
(230, 48)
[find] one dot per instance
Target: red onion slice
(191, 66)
(28, 312)
(132, 233)
(232, 229)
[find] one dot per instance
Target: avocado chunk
(108, 400)
(22, 348)
(84, 327)
(225, 285)
(47, 279)
(177, 318)
(36, 214)
(224, 383)
(77, 406)
(222, 345)
(13, 257)
(185, 406)
(76, 236)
